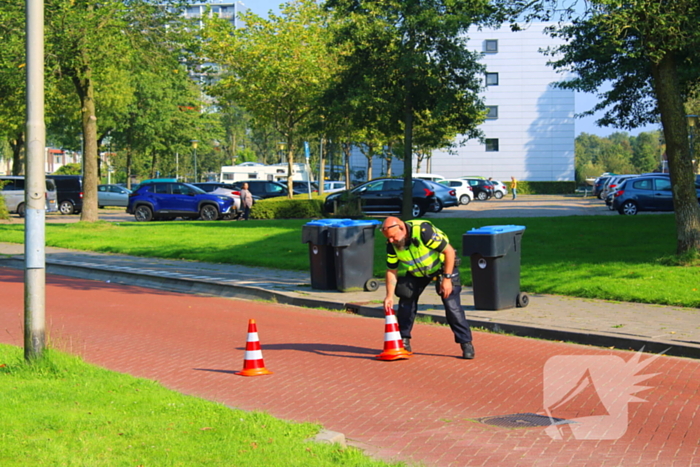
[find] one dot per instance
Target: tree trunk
(17, 145)
(321, 168)
(408, 154)
(86, 92)
(680, 165)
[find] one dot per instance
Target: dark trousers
(408, 307)
(246, 212)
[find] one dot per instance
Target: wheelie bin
(495, 266)
(321, 255)
(353, 244)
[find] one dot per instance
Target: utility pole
(35, 188)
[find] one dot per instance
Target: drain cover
(522, 420)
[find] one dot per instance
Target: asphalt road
(523, 206)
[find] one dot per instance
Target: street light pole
(194, 146)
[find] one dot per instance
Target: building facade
(529, 132)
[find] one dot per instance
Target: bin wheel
(371, 285)
(522, 300)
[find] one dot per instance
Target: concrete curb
(204, 287)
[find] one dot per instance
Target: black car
(647, 193)
(385, 196)
(264, 188)
(69, 189)
(303, 187)
(598, 186)
(482, 189)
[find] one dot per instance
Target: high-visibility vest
(420, 259)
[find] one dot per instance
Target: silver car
(112, 195)
(13, 192)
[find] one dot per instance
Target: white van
(432, 177)
(13, 192)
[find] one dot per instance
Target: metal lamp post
(194, 146)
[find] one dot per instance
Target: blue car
(445, 196)
(169, 200)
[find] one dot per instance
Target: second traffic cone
(393, 345)
(253, 363)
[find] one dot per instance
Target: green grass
(62, 411)
(606, 257)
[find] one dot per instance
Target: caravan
(255, 171)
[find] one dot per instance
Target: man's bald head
(394, 229)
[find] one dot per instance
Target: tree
(649, 51)
(276, 68)
(407, 58)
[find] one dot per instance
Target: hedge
(285, 208)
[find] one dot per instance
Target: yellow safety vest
(421, 260)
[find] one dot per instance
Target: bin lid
(327, 222)
(356, 223)
(495, 229)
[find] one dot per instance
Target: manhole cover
(522, 420)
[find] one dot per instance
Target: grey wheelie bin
(495, 266)
(353, 244)
(321, 255)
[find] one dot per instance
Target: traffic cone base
(393, 344)
(253, 363)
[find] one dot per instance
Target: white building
(530, 130)
(228, 10)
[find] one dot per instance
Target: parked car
(112, 195)
(167, 201)
(613, 183)
(385, 196)
(70, 193)
(430, 177)
(483, 189)
(445, 196)
(12, 189)
(303, 187)
(646, 193)
(499, 189)
(599, 184)
(334, 186)
(463, 190)
(264, 189)
(223, 189)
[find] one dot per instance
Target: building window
(492, 145)
(492, 111)
(491, 46)
(491, 79)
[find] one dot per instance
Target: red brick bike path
(421, 410)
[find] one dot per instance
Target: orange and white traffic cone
(253, 363)
(393, 345)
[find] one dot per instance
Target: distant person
(246, 202)
(426, 253)
(514, 187)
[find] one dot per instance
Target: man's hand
(445, 288)
(388, 304)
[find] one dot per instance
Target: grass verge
(623, 258)
(63, 411)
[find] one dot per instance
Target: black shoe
(467, 350)
(407, 344)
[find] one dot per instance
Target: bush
(69, 169)
(4, 214)
(284, 208)
(544, 188)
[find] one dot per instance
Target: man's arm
(448, 268)
(391, 279)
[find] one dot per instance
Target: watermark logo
(585, 382)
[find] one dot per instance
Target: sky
(584, 101)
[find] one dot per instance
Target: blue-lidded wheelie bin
(353, 243)
(321, 255)
(495, 266)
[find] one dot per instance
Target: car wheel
(208, 213)
(498, 194)
(628, 208)
(610, 206)
(66, 207)
(464, 199)
(20, 210)
(416, 210)
(439, 206)
(482, 196)
(143, 213)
